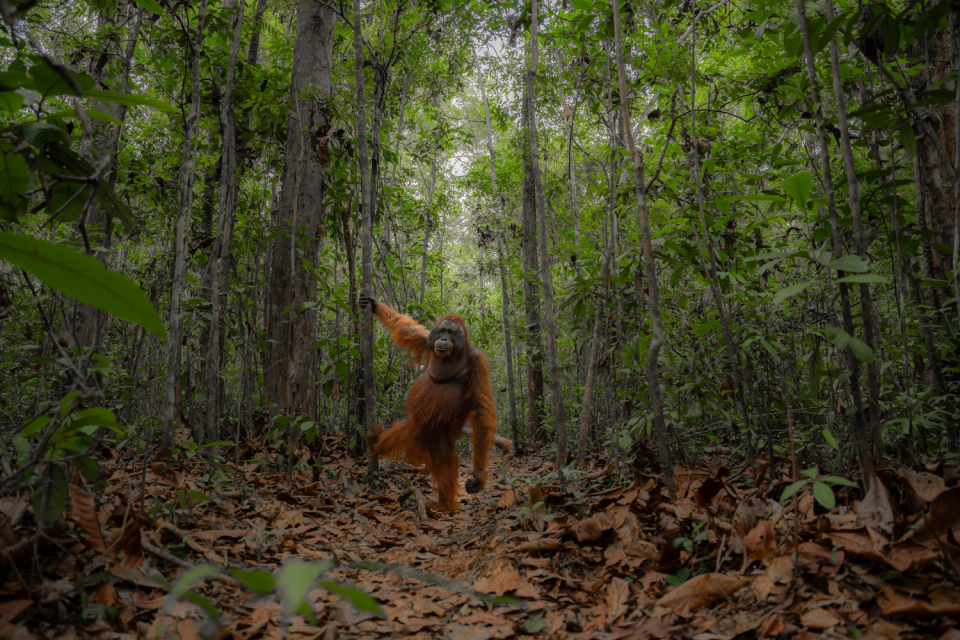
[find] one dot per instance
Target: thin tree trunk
(650, 267)
(560, 416)
(858, 427)
(428, 229)
(366, 246)
(186, 186)
(531, 293)
(229, 186)
(860, 242)
(586, 406)
(733, 349)
(511, 393)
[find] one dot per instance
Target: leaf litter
(609, 555)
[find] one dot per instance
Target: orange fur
(438, 411)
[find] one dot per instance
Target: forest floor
(607, 557)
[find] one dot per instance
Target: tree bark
(858, 427)
(650, 267)
(186, 186)
(531, 293)
(556, 390)
(366, 244)
(586, 406)
(291, 327)
(229, 187)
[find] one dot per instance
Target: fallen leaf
(591, 528)
(12, 608)
(701, 590)
(83, 511)
(875, 507)
(617, 593)
(543, 545)
(503, 581)
(760, 542)
(508, 499)
(943, 514)
(216, 534)
(941, 602)
(875, 546)
(819, 619)
(923, 483)
(882, 630)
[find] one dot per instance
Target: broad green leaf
(839, 480)
(14, 177)
(49, 82)
(534, 625)
(830, 439)
(759, 197)
(295, 581)
(789, 292)
(40, 133)
(150, 5)
(798, 187)
(54, 491)
(105, 95)
(811, 472)
(871, 278)
(836, 336)
(93, 114)
(35, 426)
(824, 495)
(792, 489)
(181, 588)
(850, 262)
(83, 278)
(10, 101)
(861, 350)
(257, 580)
(361, 600)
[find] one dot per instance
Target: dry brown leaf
(819, 619)
(83, 511)
(760, 542)
(543, 545)
(942, 602)
(875, 546)
(772, 626)
(507, 499)
(702, 590)
(882, 630)
(12, 608)
(923, 483)
(875, 507)
(591, 528)
(617, 593)
(943, 514)
(216, 534)
(503, 581)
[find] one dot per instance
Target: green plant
(822, 487)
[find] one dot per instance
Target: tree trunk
(531, 293)
(586, 406)
(650, 267)
(858, 427)
(290, 327)
(183, 206)
(366, 246)
(229, 186)
(429, 225)
(556, 390)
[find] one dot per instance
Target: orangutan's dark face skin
(447, 339)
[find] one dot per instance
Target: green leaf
(810, 473)
(850, 262)
(198, 495)
(89, 467)
(83, 278)
(824, 495)
(361, 600)
(181, 588)
(798, 187)
(830, 439)
(105, 95)
(10, 101)
(150, 5)
(49, 82)
(295, 580)
(792, 489)
(40, 133)
(14, 177)
(839, 480)
(257, 580)
(35, 426)
(861, 350)
(55, 491)
(534, 624)
(871, 278)
(789, 292)
(93, 114)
